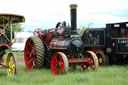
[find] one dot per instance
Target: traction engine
(110, 43)
(6, 40)
(59, 48)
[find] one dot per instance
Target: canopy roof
(14, 18)
(119, 23)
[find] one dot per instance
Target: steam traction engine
(110, 44)
(6, 40)
(59, 47)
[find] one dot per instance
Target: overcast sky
(46, 13)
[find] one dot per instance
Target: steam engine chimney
(73, 19)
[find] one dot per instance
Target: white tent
(20, 40)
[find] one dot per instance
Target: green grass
(110, 75)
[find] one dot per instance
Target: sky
(47, 13)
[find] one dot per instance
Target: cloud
(46, 13)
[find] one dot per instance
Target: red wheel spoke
(63, 70)
(30, 60)
(34, 63)
(34, 54)
(56, 61)
(91, 62)
(61, 65)
(32, 66)
(31, 46)
(92, 67)
(60, 59)
(91, 58)
(58, 71)
(34, 59)
(28, 53)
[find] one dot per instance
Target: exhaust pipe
(73, 19)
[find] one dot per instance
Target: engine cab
(117, 30)
(117, 38)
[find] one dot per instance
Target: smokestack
(73, 19)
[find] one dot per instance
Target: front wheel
(11, 64)
(59, 63)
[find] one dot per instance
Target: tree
(81, 30)
(16, 27)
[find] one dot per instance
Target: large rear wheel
(102, 58)
(59, 63)
(34, 53)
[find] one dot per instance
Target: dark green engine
(5, 40)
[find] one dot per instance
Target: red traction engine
(59, 48)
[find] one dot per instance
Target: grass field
(109, 75)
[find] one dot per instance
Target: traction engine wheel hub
(100, 60)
